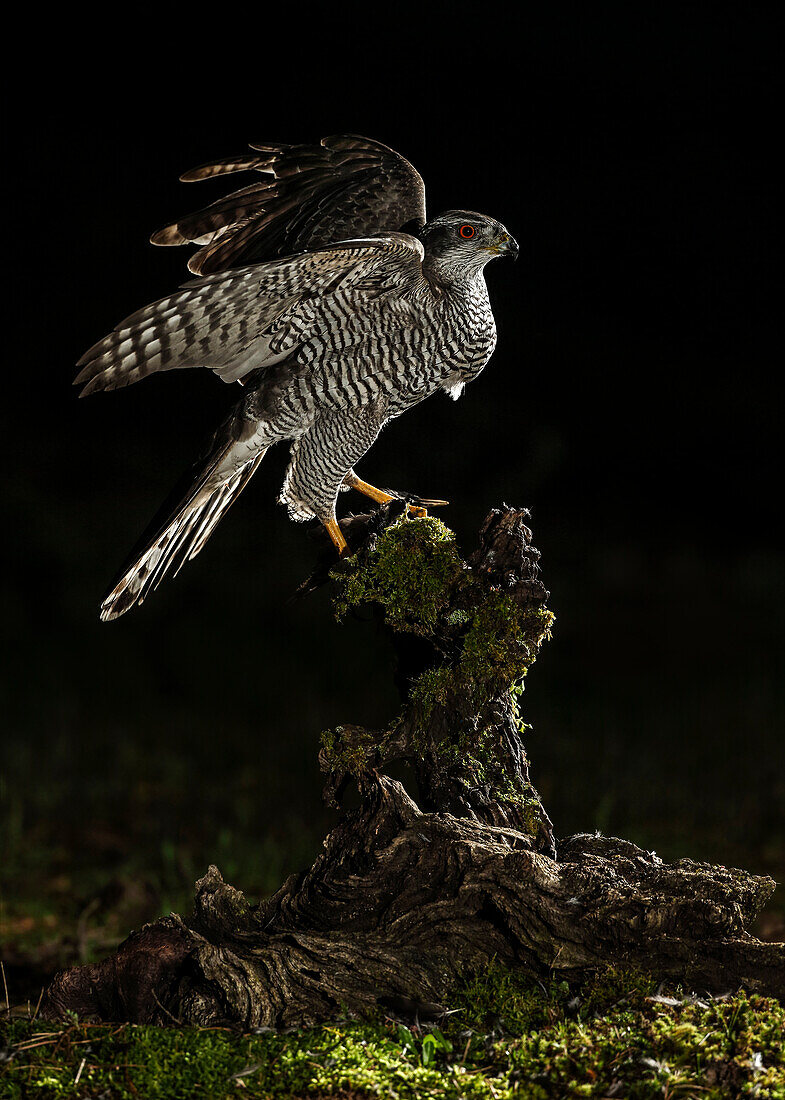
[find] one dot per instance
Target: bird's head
(461, 242)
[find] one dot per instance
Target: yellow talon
(381, 497)
(335, 533)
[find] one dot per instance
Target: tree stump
(410, 895)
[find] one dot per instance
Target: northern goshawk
(327, 294)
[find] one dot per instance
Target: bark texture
(408, 895)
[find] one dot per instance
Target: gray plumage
(330, 344)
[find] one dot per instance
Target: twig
(5, 987)
(39, 1041)
(166, 1010)
(79, 1071)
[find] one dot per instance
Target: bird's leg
(334, 531)
(382, 497)
(379, 495)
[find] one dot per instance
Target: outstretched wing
(310, 196)
(253, 318)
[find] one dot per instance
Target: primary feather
(310, 196)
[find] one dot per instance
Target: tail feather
(185, 531)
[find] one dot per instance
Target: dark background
(633, 404)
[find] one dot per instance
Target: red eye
(467, 231)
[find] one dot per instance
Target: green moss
(500, 644)
(409, 572)
(484, 641)
(615, 1036)
(348, 748)
(501, 998)
(372, 1058)
(528, 806)
(506, 1038)
(414, 572)
(431, 689)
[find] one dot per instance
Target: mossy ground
(506, 1037)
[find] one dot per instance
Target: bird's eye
(467, 232)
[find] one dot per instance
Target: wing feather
(311, 195)
(244, 320)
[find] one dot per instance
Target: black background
(633, 404)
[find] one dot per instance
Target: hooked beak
(508, 246)
(505, 245)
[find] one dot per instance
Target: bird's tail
(189, 516)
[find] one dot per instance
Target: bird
(323, 290)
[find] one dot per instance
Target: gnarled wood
(405, 897)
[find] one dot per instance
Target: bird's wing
(309, 196)
(254, 318)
